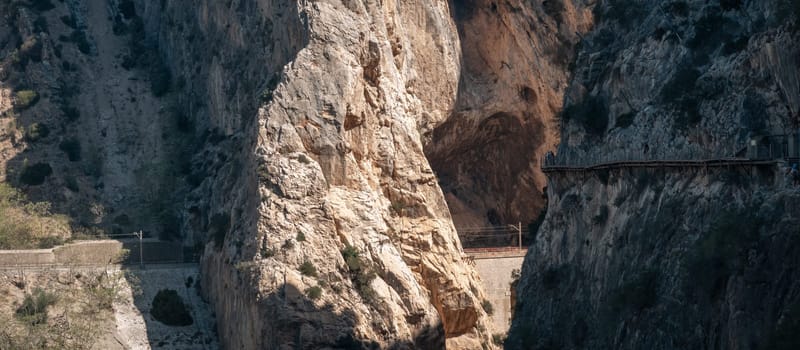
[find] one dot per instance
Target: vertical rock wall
(515, 72)
(670, 258)
(315, 111)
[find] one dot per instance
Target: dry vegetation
(65, 310)
(26, 225)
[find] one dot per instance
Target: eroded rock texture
(330, 161)
(280, 140)
(513, 80)
(670, 258)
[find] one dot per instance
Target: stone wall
(81, 253)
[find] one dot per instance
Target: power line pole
(141, 249)
(518, 227)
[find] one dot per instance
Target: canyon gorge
(317, 159)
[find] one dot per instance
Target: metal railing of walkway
(489, 238)
(676, 163)
(759, 151)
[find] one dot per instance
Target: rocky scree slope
(660, 258)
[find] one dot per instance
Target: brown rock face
(511, 86)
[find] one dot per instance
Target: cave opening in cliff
(484, 169)
(486, 154)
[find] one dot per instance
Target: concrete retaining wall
(495, 275)
(81, 253)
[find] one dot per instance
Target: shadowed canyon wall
(514, 75)
(670, 258)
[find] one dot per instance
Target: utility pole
(141, 249)
(518, 227)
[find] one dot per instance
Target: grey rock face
(670, 258)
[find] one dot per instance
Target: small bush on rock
(488, 307)
(26, 99)
(36, 174)
(308, 269)
(72, 147)
(34, 307)
(36, 131)
(314, 292)
(169, 309)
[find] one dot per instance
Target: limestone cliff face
(317, 177)
(513, 80)
(670, 258)
(281, 141)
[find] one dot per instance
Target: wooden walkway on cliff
(556, 167)
(766, 150)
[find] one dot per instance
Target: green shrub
(169, 309)
(351, 258)
(36, 131)
(677, 8)
(69, 21)
(681, 83)
(488, 307)
(81, 41)
(218, 227)
(498, 339)
(533, 226)
(308, 269)
(786, 333)
(555, 9)
(361, 273)
(301, 237)
(42, 5)
(625, 120)
(551, 278)
(26, 99)
(267, 252)
(183, 122)
(70, 112)
(591, 112)
(48, 242)
(287, 245)
(719, 253)
(638, 294)
(24, 224)
(160, 78)
(72, 147)
(314, 292)
(34, 307)
(71, 183)
(625, 12)
(788, 9)
(127, 9)
(266, 94)
(36, 174)
(601, 216)
(31, 50)
(709, 32)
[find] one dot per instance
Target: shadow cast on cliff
(482, 153)
(189, 326)
(293, 320)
